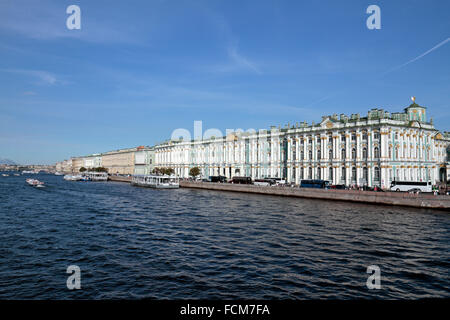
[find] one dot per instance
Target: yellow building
(119, 161)
(77, 163)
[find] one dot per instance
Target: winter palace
(371, 150)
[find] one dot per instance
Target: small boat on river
(35, 183)
(70, 177)
(157, 182)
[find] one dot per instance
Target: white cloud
(46, 20)
(43, 77)
(241, 61)
(418, 57)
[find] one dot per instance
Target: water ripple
(187, 244)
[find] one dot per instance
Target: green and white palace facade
(372, 150)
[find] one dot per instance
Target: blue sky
(137, 70)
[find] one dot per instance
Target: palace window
(330, 173)
(376, 135)
(364, 153)
(353, 136)
(330, 138)
(353, 174)
(310, 154)
(343, 174)
(364, 135)
(319, 154)
(365, 174)
(353, 153)
(330, 154)
(377, 174)
(343, 138)
(343, 153)
(309, 173)
(376, 152)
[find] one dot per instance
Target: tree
(169, 171)
(195, 171)
(82, 169)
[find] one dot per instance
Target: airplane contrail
(418, 57)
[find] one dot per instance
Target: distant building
(119, 161)
(372, 150)
(77, 164)
(93, 161)
(144, 160)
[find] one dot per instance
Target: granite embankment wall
(385, 198)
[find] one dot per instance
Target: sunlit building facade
(372, 150)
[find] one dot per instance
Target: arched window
(310, 154)
(330, 174)
(353, 174)
(364, 136)
(319, 173)
(377, 174)
(302, 155)
(343, 153)
(353, 153)
(343, 174)
(376, 152)
(330, 154)
(309, 173)
(319, 154)
(364, 153)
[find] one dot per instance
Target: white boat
(158, 182)
(35, 183)
(70, 177)
(96, 176)
(5, 175)
(17, 174)
(28, 172)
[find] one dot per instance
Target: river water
(136, 243)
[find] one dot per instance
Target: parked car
(242, 180)
(264, 182)
(278, 181)
(338, 186)
(218, 179)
